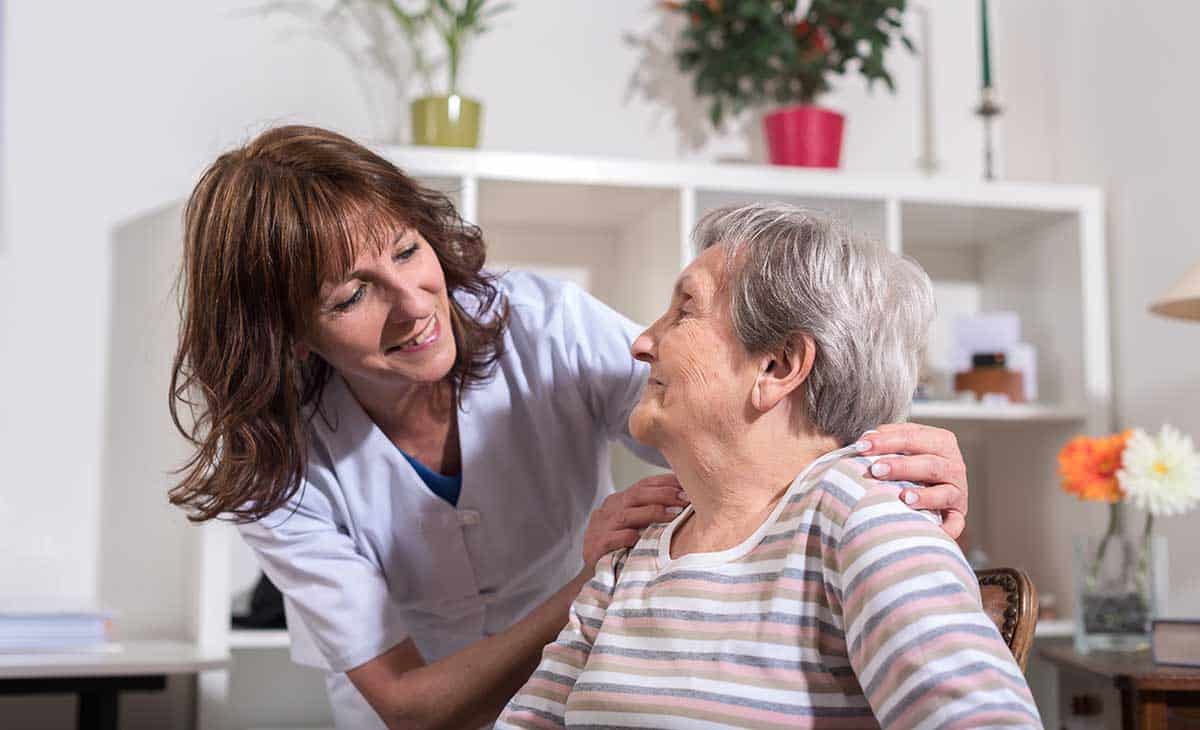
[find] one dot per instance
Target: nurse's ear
(782, 371)
(301, 350)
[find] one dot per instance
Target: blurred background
(110, 111)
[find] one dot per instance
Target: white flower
(1161, 474)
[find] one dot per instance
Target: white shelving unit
(251, 639)
(954, 411)
(620, 228)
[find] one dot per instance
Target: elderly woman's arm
(542, 702)
(923, 650)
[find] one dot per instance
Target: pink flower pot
(805, 136)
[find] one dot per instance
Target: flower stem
(1114, 526)
(1143, 569)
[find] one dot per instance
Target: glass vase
(1114, 588)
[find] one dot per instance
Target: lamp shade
(1183, 299)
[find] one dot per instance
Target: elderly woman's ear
(782, 371)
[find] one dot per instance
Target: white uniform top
(367, 556)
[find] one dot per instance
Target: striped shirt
(845, 609)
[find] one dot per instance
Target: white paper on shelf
(987, 332)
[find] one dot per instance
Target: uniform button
(468, 517)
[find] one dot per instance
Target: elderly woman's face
(700, 375)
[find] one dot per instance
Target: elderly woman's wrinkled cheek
(710, 392)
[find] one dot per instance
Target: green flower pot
(446, 121)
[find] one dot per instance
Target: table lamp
(1183, 299)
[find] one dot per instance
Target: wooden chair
(1011, 601)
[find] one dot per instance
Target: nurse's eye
(354, 298)
(406, 253)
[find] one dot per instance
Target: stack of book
(38, 628)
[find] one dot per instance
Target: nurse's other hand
(620, 519)
(929, 456)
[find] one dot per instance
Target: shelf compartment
(956, 225)
(607, 208)
(620, 243)
(1028, 262)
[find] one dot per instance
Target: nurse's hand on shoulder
(927, 456)
(620, 519)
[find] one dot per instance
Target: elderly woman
(792, 592)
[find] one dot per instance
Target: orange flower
(1088, 467)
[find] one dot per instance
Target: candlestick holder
(988, 110)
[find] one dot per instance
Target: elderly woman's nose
(643, 347)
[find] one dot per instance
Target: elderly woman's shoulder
(844, 486)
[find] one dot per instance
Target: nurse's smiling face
(388, 322)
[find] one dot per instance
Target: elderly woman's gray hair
(795, 271)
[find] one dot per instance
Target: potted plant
(445, 119)
(746, 54)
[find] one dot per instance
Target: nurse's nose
(408, 303)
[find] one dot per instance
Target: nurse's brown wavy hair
(265, 227)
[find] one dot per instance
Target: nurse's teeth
(424, 336)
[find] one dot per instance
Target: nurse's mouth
(422, 340)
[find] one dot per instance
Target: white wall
(1120, 110)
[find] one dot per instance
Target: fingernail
(674, 510)
(684, 497)
(868, 433)
(910, 498)
(880, 469)
(861, 446)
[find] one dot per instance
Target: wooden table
(98, 678)
(1153, 697)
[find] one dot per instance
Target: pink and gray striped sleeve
(542, 702)
(923, 650)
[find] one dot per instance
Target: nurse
(417, 451)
